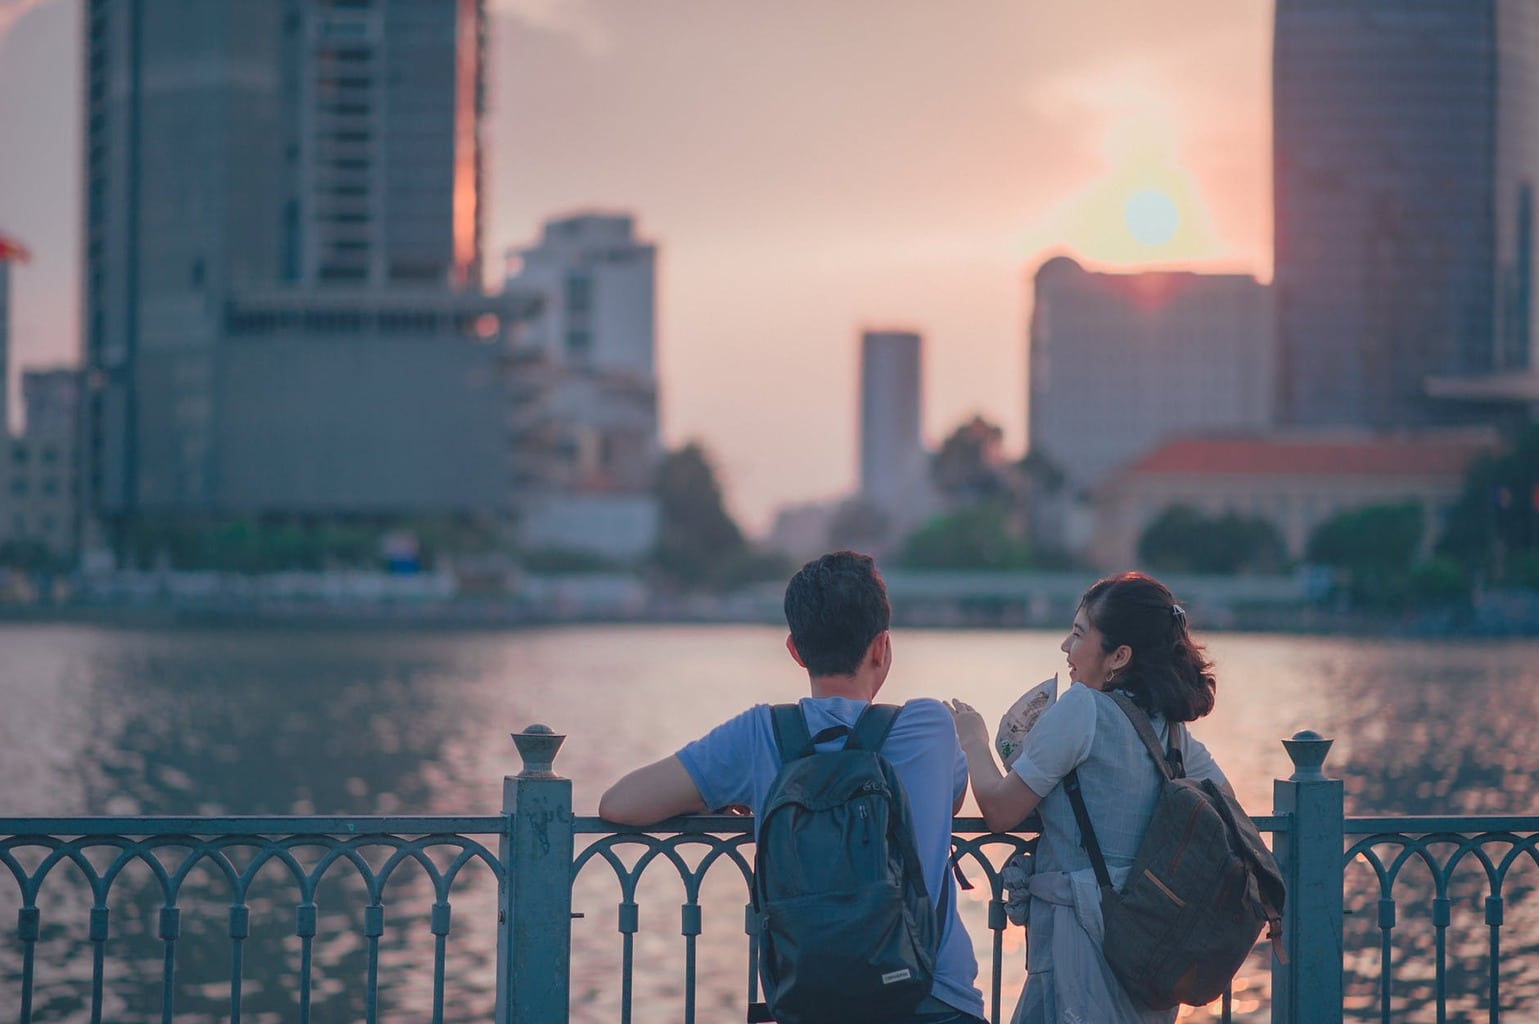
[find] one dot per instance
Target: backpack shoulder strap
(1167, 761)
(872, 727)
(791, 735)
(1087, 836)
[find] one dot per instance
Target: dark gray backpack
(845, 925)
(1202, 885)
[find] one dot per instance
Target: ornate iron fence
(533, 855)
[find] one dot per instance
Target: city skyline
(913, 177)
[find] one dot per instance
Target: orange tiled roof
(1387, 456)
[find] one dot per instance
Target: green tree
(1184, 539)
(699, 546)
(975, 537)
(1374, 548)
(31, 556)
(1375, 538)
(968, 468)
(250, 546)
(1041, 472)
(1493, 528)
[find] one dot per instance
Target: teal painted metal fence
(537, 850)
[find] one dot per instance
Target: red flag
(12, 250)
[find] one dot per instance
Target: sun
(1151, 217)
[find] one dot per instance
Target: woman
(1129, 634)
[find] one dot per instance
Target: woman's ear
(1120, 657)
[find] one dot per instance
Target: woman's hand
(1003, 798)
(970, 726)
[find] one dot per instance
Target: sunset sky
(808, 168)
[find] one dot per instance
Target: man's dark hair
(836, 605)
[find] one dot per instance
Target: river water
(356, 721)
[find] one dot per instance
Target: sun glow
(1144, 210)
(1151, 217)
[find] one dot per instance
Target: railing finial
(1307, 748)
(537, 745)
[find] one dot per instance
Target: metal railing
(533, 855)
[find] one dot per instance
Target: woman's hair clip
(1178, 613)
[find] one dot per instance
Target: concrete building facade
(892, 454)
(1405, 157)
(599, 282)
(1121, 362)
(596, 338)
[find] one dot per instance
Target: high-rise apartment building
(37, 467)
(259, 173)
(892, 456)
(599, 282)
(1406, 154)
(596, 334)
(1121, 362)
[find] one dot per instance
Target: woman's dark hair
(1168, 672)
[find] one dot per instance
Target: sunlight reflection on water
(265, 721)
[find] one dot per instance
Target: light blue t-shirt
(735, 763)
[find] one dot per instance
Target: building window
(19, 487)
(579, 293)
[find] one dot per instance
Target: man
(838, 614)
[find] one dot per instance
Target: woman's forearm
(1003, 797)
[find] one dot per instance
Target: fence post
(534, 893)
(1308, 989)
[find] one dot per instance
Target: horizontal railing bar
(734, 824)
(1415, 825)
(287, 825)
(692, 824)
(700, 824)
(731, 824)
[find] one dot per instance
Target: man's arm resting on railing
(649, 794)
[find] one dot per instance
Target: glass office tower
(1406, 148)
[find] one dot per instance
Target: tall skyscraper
(262, 167)
(892, 458)
(1121, 362)
(1406, 153)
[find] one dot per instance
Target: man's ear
(879, 652)
(795, 654)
